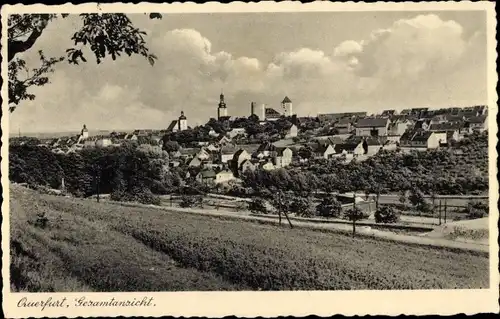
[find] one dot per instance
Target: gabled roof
(270, 112)
(172, 125)
(279, 150)
(208, 173)
(286, 100)
(266, 147)
(477, 119)
(319, 147)
(422, 136)
(445, 127)
(372, 122)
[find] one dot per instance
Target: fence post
(445, 208)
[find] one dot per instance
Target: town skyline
(336, 69)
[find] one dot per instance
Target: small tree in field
(329, 207)
(418, 201)
(302, 206)
(354, 214)
(386, 215)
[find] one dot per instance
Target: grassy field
(89, 246)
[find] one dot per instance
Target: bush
(191, 201)
(302, 206)
(329, 207)
(355, 214)
(258, 206)
(386, 215)
(476, 210)
(140, 195)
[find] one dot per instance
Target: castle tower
(85, 132)
(286, 105)
(182, 122)
(262, 112)
(222, 110)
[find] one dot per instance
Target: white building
(178, 125)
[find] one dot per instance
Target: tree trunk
(353, 227)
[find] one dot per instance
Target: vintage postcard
(249, 159)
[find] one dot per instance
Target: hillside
(66, 244)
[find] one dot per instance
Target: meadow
(68, 244)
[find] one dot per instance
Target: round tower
(286, 104)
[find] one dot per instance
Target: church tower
(222, 110)
(182, 122)
(286, 104)
(85, 132)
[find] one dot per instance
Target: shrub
(302, 206)
(476, 210)
(191, 201)
(386, 215)
(329, 207)
(258, 205)
(355, 214)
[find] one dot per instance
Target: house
(388, 113)
(353, 147)
(206, 176)
(453, 118)
(130, 137)
(397, 128)
(322, 150)
(282, 157)
(247, 165)
(264, 150)
(194, 162)
(372, 127)
(343, 126)
(423, 140)
(268, 166)
(212, 148)
(478, 123)
(174, 163)
(239, 157)
(372, 146)
(452, 130)
(292, 131)
(223, 176)
(203, 155)
(223, 140)
(236, 132)
(213, 133)
(179, 124)
(332, 117)
(438, 119)
(103, 142)
(226, 153)
(188, 153)
(422, 125)
(271, 114)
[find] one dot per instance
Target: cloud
(411, 47)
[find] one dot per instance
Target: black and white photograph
(147, 150)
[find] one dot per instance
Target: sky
(324, 62)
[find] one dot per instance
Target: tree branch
(15, 47)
